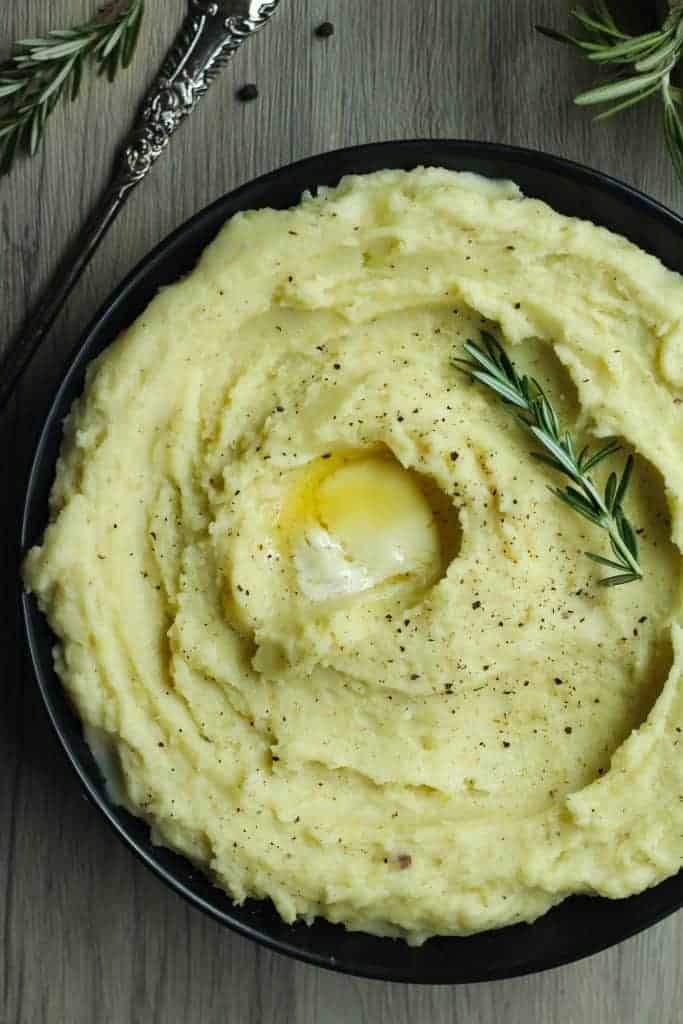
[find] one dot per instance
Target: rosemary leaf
(631, 101)
(631, 47)
(653, 59)
(629, 537)
(610, 491)
(558, 37)
(603, 12)
(624, 482)
(615, 90)
(614, 581)
(603, 561)
(598, 456)
(597, 23)
(581, 509)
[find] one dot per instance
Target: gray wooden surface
(86, 933)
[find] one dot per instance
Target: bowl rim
(75, 363)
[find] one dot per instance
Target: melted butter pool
(354, 521)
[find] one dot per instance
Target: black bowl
(579, 926)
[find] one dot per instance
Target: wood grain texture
(86, 933)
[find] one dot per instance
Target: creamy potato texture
(314, 598)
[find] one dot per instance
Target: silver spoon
(212, 31)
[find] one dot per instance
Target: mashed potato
(315, 599)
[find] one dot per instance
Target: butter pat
(366, 522)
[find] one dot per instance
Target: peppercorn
(247, 92)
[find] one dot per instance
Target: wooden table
(87, 934)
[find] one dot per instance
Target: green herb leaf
(558, 37)
(602, 561)
(595, 459)
(615, 90)
(582, 508)
(625, 104)
(624, 482)
(629, 537)
(610, 491)
(615, 581)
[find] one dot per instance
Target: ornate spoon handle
(211, 33)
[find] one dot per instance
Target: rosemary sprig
(644, 66)
(491, 366)
(42, 70)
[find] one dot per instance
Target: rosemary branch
(644, 65)
(490, 365)
(40, 71)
